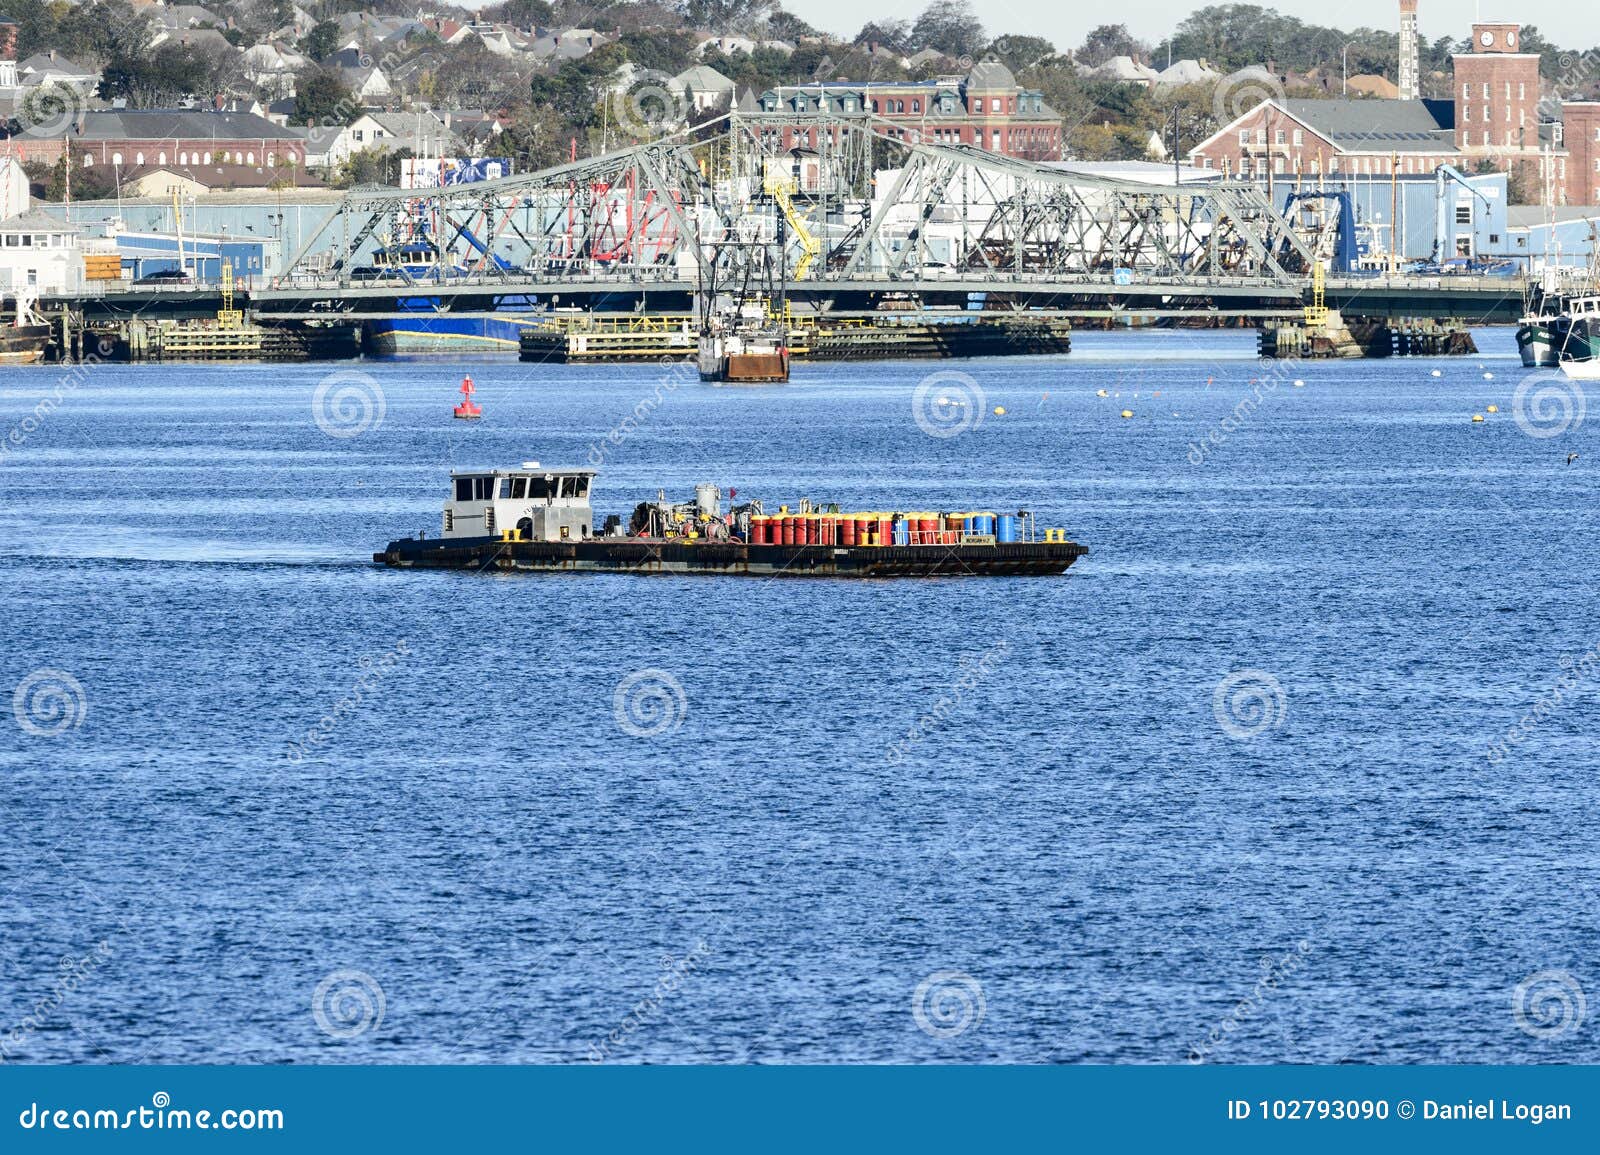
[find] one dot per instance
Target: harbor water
(1297, 765)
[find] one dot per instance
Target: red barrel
(758, 531)
(787, 531)
(847, 531)
(886, 529)
(863, 529)
(927, 530)
(826, 524)
(804, 527)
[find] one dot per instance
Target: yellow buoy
(1127, 412)
(999, 410)
(1494, 409)
(1477, 416)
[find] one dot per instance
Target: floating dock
(853, 338)
(139, 340)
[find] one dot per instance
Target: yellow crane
(1317, 312)
(782, 189)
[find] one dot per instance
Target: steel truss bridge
(867, 210)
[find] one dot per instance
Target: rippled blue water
(865, 786)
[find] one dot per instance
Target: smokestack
(1410, 84)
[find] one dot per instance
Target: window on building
(1486, 138)
(1261, 136)
(1278, 137)
(161, 158)
(116, 158)
(138, 158)
(1244, 136)
(1466, 91)
(1299, 138)
(1508, 90)
(994, 105)
(358, 135)
(1466, 113)
(88, 161)
(1486, 90)
(1494, 238)
(1522, 92)
(1277, 164)
(1463, 214)
(916, 106)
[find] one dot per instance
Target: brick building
(1492, 119)
(128, 139)
(986, 109)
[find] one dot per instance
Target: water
(297, 780)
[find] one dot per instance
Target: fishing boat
(1541, 331)
(746, 347)
(538, 519)
(24, 341)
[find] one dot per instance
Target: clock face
(1487, 38)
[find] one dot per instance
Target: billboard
(437, 172)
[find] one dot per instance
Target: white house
(704, 87)
(39, 254)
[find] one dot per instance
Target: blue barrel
(902, 532)
(985, 523)
(968, 523)
(1006, 527)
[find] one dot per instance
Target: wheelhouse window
(474, 488)
(541, 488)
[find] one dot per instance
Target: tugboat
(539, 519)
(744, 347)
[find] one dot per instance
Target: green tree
(321, 97)
(949, 26)
(1106, 41)
(322, 41)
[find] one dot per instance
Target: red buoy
(468, 410)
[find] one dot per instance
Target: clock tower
(1497, 92)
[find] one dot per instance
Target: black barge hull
(649, 556)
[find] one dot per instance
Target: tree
(322, 41)
(1106, 41)
(1021, 52)
(522, 13)
(894, 35)
(321, 97)
(165, 76)
(726, 15)
(950, 27)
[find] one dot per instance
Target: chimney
(1410, 85)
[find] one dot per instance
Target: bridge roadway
(1474, 299)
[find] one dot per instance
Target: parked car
(167, 277)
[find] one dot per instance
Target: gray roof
(988, 75)
(37, 219)
(174, 124)
(1375, 125)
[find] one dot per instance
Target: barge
(540, 520)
